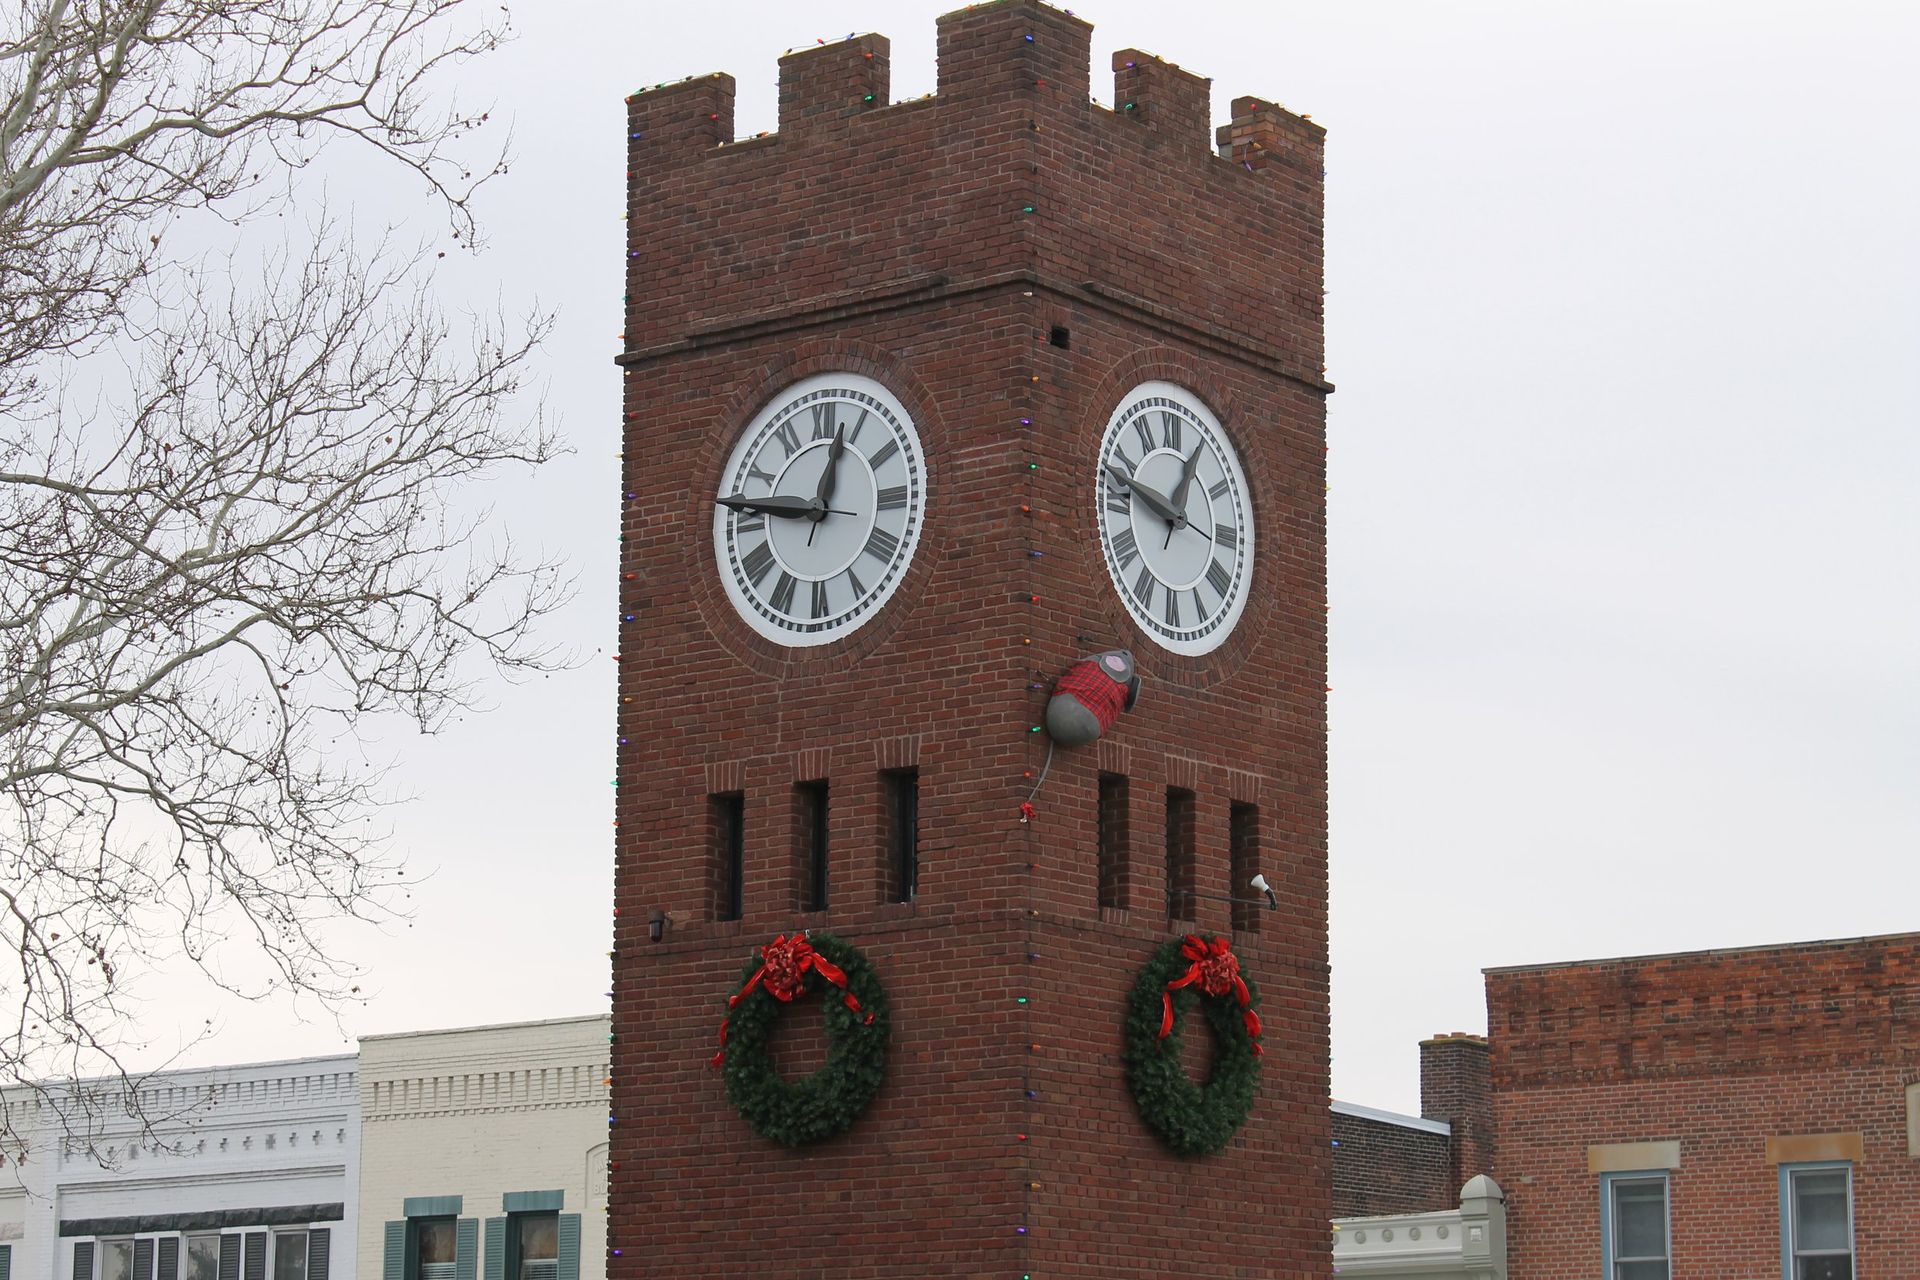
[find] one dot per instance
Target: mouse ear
(1133, 691)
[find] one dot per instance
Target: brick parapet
(709, 243)
(1707, 1013)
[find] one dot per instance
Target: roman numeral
(819, 600)
(1125, 548)
(887, 450)
(744, 523)
(881, 545)
(755, 473)
(1146, 436)
(1169, 430)
(1119, 501)
(1226, 537)
(1218, 578)
(756, 563)
(782, 598)
(1217, 491)
(1143, 586)
(823, 421)
(859, 587)
(1200, 607)
(853, 433)
(788, 437)
(1172, 614)
(1127, 463)
(893, 497)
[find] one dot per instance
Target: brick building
(1743, 1113)
(1385, 1163)
(999, 271)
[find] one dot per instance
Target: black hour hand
(832, 473)
(1187, 469)
(1156, 501)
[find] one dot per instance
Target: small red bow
(1027, 811)
(784, 964)
(1216, 970)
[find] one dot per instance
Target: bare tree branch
(212, 577)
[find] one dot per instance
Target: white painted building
(1468, 1243)
(238, 1173)
(484, 1152)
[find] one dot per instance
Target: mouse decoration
(1087, 698)
(1090, 696)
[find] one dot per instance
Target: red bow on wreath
(784, 964)
(1217, 971)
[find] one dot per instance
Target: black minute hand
(778, 504)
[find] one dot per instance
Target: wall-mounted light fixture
(656, 926)
(1258, 882)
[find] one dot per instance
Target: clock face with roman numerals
(820, 508)
(1176, 518)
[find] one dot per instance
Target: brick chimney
(1455, 1086)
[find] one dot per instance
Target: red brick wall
(1717, 1051)
(893, 241)
(1380, 1167)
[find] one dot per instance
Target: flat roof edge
(1421, 1123)
(1707, 953)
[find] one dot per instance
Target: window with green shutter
(393, 1255)
(230, 1257)
(168, 1258)
(533, 1246)
(6, 1262)
(83, 1260)
(567, 1261)
(319, 1254)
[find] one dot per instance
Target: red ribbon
(1216, 970)
(784, 965)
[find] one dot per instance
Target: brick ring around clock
(1197, 970)
(818, 1106)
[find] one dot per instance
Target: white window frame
(100, 1247)
(273, 1251)
(1608, 1181)
(1790, 1253)
(187, 1240)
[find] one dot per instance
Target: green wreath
(1194, 1120)
(795, 1113)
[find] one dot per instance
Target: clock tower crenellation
(919, 335)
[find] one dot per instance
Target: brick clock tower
(1015, 379)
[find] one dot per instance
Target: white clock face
(820, 508)
(1176, 518)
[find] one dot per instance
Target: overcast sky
(1625, 319)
